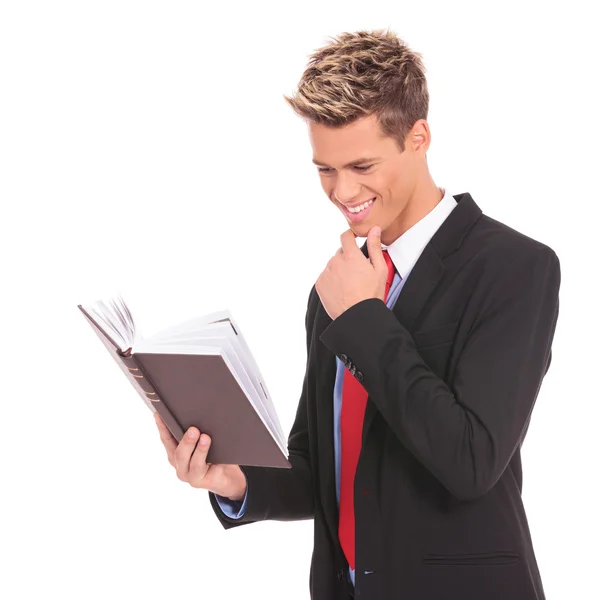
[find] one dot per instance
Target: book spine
(134, 373)
(149, 392)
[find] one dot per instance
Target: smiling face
(357, 165)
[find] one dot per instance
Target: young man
(426, 350)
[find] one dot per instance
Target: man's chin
(361, 229)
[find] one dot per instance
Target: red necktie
(354, 402)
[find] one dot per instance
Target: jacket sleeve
(466, 434)
(281, 494)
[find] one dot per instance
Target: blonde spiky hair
(364, 73)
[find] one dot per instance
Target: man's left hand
(349, 277)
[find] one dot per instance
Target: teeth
(361, 207)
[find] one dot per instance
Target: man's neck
(421, 204)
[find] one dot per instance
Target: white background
(146, 146)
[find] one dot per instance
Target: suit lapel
(429, 268)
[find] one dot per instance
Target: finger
(348, 239)
(166, 437)
(184, 451)
(198, 464)
(375, 249)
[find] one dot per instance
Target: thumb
(375, 250)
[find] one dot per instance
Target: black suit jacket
(452, 374)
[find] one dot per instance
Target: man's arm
(465, 436)
(280, 494)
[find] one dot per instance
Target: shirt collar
(405, 251)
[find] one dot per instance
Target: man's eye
(359, 169)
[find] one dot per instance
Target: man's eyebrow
(354, 163)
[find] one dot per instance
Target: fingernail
(193, 434)
(203, 440)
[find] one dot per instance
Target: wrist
(239, 485)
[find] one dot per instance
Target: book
(198, 373)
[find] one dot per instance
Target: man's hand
(189, 461)
(349, 277)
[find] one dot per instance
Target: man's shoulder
(505, 262)
(497, 243)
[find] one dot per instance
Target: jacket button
(359, 376)
(340, 575)
(344, 358)
(353, 369)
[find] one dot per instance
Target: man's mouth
(363, 206)
(360, 212)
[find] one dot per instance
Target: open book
(199, 373)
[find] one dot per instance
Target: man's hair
(360, 74)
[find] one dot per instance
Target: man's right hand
(189, 462)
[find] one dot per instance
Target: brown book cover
(199, 390)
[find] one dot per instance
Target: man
(426, 350)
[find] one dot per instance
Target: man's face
(389, 176)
